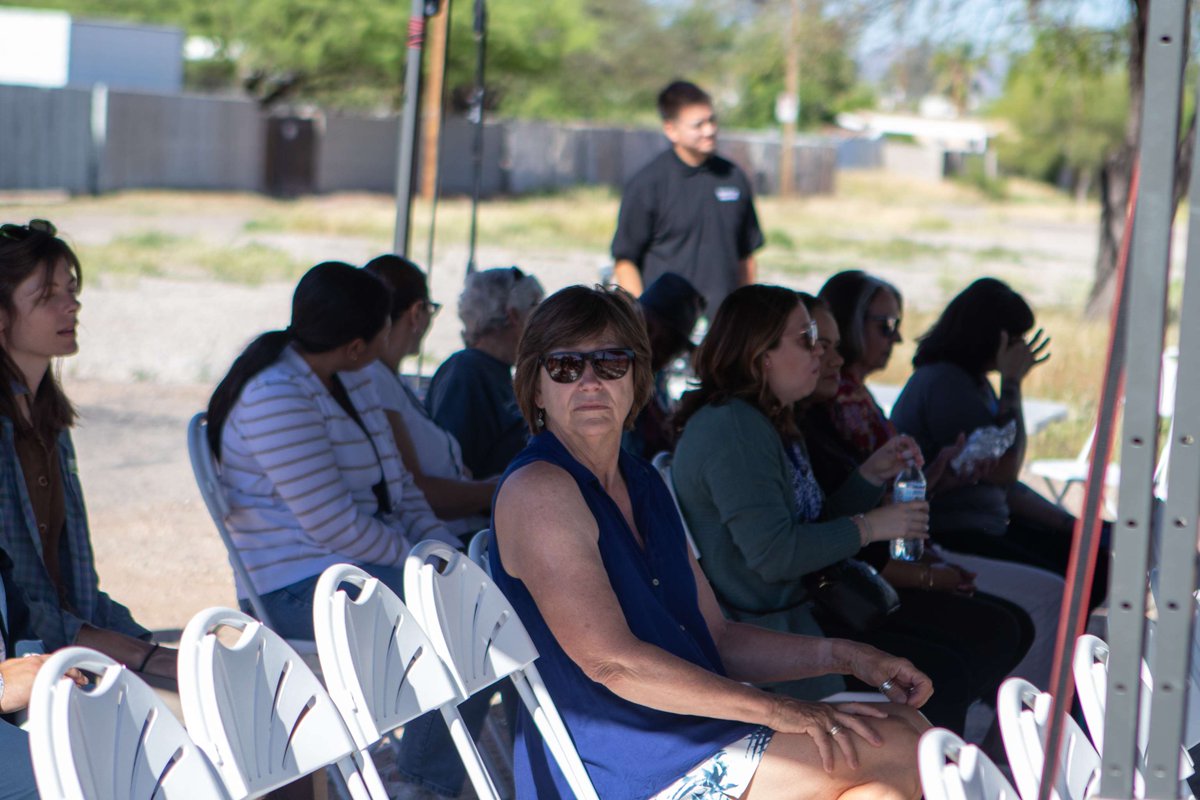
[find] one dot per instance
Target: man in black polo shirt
(688, 211)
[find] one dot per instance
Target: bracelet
(864, 528)
(146, 660)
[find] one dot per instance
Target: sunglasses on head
(609, 365)
(889, 326)
(19, 233)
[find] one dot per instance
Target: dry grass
(931, 239)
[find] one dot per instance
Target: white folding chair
(662, 463)
(208, 479)
(1024, 715)
(112, 740)
(951, 769)
(380, 667)
(259, 713)
(477, 633)
(1060, 474)
(477, 550)
(1090, 668)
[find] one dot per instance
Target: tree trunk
(1118, 169)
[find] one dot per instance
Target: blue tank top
(630, 751)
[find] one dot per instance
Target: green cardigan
(733, 479)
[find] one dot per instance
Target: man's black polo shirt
(698, 222)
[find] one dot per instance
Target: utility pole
(787, 106)
(407, 150)
(431, 114)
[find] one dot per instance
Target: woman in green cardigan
(759, 518)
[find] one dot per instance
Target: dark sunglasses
(19, 233)
(889, 326)
(609, 365)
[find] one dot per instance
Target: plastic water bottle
(910, 486)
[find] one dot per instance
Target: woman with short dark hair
(644, 669)
(429, 451)
(985, 329)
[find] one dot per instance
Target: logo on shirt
(728, 194)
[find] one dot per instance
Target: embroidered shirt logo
(728, 194)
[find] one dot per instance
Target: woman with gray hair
(471, 394)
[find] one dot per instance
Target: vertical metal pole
(477, 105)
(407, 158)
(1177, 556)
(1148, 271)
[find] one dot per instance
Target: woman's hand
(895, 677)
(898, 521)
(930, 576)
(886, 462)
(18, 674)
(1015, 357)
(829, 726)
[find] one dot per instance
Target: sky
(992, 25)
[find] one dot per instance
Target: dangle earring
(540, 419)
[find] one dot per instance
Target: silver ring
(835, 730)
(887, 686)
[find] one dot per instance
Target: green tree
(1067, 100)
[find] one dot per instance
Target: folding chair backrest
(379, 666)
(1090, 668)
(477, 633)
(257, 710)
(951, 769)
(114, 740)
(477, 550)
(208, 479)
(1024, 715)
(662, 463)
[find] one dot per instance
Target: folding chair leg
(472, 761)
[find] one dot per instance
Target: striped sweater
(298, 470)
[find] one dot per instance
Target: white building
(50, 49)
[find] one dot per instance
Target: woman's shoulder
(731, 416)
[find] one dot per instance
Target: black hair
(403, 277)
(677, 96)
(849, 294)
(333, 305)
(968, 331)
(24, 250)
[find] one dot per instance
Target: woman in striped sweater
(308, 463)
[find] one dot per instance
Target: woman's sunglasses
(888, 326)
(609, 365)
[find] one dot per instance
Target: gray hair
(490, 294)
(849, 293)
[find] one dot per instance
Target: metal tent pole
(1147, 283)
(477, 105)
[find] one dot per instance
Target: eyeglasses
(19, 233)
(888, 326)
(808, 336)
(433, 308)
(609, 365)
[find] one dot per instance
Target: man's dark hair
(677, 96)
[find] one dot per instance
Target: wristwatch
(1, 688)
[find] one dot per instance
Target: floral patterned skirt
(725, 774)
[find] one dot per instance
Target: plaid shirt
(55, 625)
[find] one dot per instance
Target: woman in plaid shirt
(43, 523)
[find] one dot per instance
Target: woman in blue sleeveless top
(646, 673)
